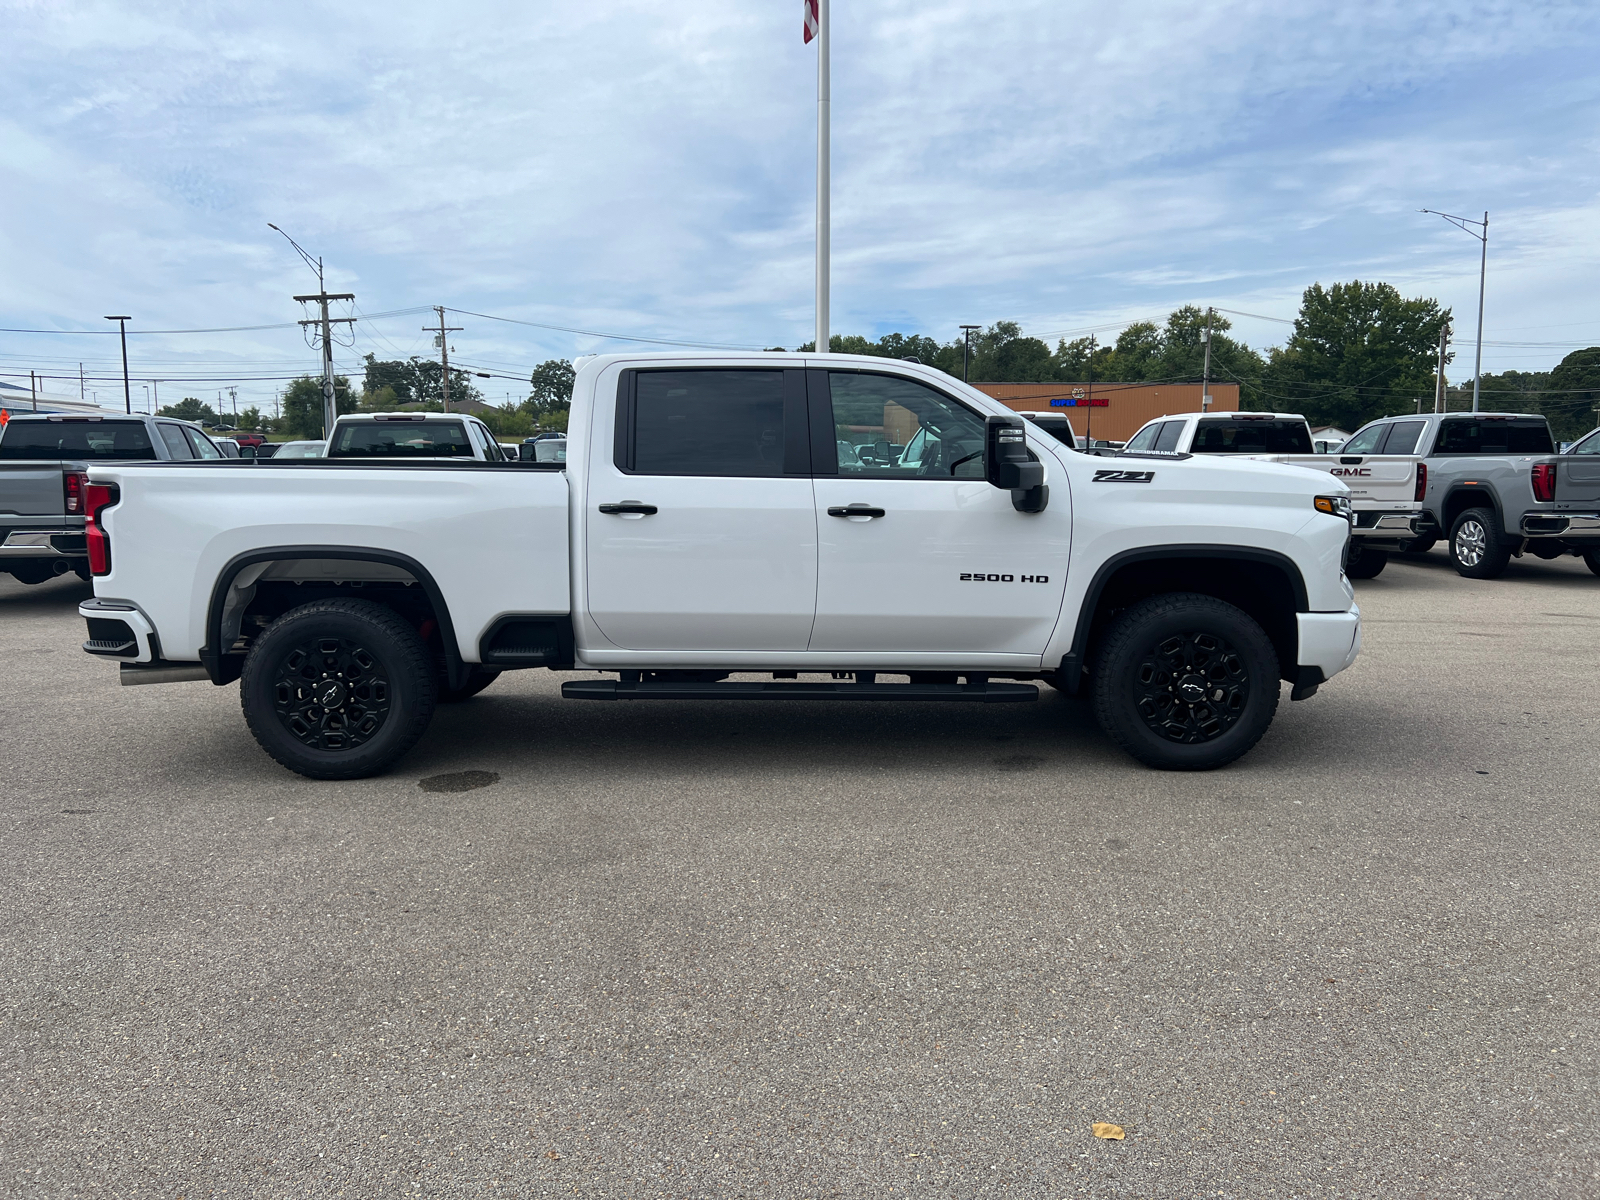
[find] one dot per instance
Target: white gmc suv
(733, 514)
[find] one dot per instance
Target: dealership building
(1112, 412)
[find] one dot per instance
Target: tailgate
(1578, 480)
(1371, 478)
(31, 489)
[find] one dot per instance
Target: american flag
(811, 20)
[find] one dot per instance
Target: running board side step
(979, 693)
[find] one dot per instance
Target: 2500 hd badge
(991, 577)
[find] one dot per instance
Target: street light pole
(1482, 235)
(127, 391)
(966, 348)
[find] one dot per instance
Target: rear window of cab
(401, 439)
(93, 441)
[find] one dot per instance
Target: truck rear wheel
(1476, 547)
(1365, 563)
(338, 689)
(1185, 682)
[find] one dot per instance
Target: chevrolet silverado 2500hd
(734, 514)
(1379, 465)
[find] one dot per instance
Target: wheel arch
(1264, 583)
(224, 667)
(1463, 496)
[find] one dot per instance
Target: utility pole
(1088, 432)
(80, 381)
(323, 296)
(233, 395)
(1205, 386)
(33, 392)
(156, 385)
(443, 333)
(127, 391)
(816, 25)
(966, 348)
(1438, 379)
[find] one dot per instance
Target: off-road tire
(1592, 558)
(1477, 548)
(478, 678)
(385, 677)
(1232, 664)
(1365, 563)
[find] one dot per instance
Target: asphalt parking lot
(792, 951)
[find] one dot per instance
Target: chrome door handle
(855, 510)
(629, 507)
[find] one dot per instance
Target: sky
(648, 170)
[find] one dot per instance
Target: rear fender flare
(225, 668)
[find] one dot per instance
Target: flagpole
(823, 213)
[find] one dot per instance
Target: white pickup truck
(733, 515)
(1380, 466)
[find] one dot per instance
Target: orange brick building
(1128, 405)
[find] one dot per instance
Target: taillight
(1544, 481)
(98, 496)
(1422, 481)
(72, 485)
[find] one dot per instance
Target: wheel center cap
(1192, 689)
(330, 693)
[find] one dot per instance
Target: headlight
(1334, 506)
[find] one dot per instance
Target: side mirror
(247, 451)
(1006, 464)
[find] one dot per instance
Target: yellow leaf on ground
(1102, 1130)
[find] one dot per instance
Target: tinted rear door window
(177, 447)
(712, 423)
(1167, 439)
(1403, 437)
(90, 440)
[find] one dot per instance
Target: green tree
(302, 405)
(508, 421)
(550, 390)
(416, 381)
(1358, 351)
(190, 409)
(250, 418)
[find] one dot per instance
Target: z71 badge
(1124, 476)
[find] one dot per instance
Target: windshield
(93, 440)
(401, 439)
(1252, 437)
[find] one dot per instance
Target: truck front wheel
(1476, 547)
(1364, 562)
(1185, 682)
(338, 689)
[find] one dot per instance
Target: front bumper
(1579, 525)
(1329, 642)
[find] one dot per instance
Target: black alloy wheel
(1186, 682)
(338, 689)
(332, 693)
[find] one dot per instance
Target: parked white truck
(1386, 477)
(733, 515)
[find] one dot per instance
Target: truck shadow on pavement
(1565, 572)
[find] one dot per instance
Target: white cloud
(648, 168)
